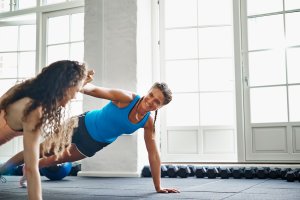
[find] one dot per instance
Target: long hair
(166, 91)
(46, 90)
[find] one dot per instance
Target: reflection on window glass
(8, 43)
(187, 10)
(182, 76)
(292, 28)
(8, 65)
(217, 108)
(255, 7)
(294, 103)
(216, 75)
(293, 65)
(181, 44)
(183, 110)
(26, 3)
(266, 32)
(215, 42)
(210, 14)
(77, 26)
(264, 63)
(27, 37)
(268, 104)
(76, 51)
(58, 30)
(57, 52)
(26, 64)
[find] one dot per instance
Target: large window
(273, 56)
(197, 63)
(33, 34)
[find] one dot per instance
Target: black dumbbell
(212, 172)
(146, 172)
(225, 172)
(262, 172)
(192, 170)
(163, 171)
(238, 172)
(250, 172)
(274, 173)
(183, 171)
(200, 172)
(172, 171)
(292, 175)
(283, 172)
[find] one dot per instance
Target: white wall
(119, 50)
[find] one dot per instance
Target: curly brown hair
(46, 90)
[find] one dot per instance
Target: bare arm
(31, 155)
(154, 158)
(116, 95)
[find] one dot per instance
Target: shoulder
(150, 123)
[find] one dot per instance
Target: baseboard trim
(108, 174)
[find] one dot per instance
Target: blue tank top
(108, 123)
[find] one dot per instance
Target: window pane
(182, 76)
(210, 14)
(265, 32)
(181, 44)
(77, 27)
(58, 52)
(217, 109)
(77, 50)
(8, 38)
(215, 42)
(8, 65)
(180, 13)
(4, 5)
(26, 3)
(294, 103)
(183, 110)
(53, 1)
(268, 104)
(292, 28)
(264, 63)
(27, 64)
(255, 7)
(58, 30)
(216, 75)
(5, 84)
(293, 65)
(292, 4)
(27, 37)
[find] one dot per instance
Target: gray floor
(141, 188)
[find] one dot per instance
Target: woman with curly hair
(33, 108)
(124, 114)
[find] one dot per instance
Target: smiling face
(153, 100)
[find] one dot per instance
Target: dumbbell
(262, 172)
(163, 171)
(212, 172)
(172, 171)
(200, 172)
(183, 171)
(250, 172)
(274, 173)
(225, 172)
(146, 172)
(238, 172)
(292, 175)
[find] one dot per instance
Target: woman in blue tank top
(125, 113)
